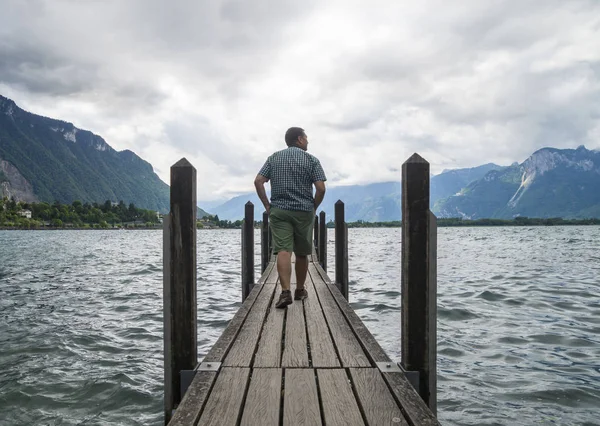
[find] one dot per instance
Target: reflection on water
(518, 320)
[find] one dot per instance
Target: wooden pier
(314, 362)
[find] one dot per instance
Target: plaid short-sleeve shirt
(292, 172)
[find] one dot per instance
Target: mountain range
(550, 183)
(44, 159)
(376, 202)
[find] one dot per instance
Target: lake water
(518, 321)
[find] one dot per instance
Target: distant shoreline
(440, 224)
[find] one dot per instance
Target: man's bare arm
(259, 184)
(319, 193)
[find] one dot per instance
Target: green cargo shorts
(292, 231)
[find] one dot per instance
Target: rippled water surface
(518, 321)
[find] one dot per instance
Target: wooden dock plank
(375, 398)
(295, 351)
(189, 409)
(301, 400)
(225, 402)
(349, 350)
(339, 405)
(372, 348)
(244, 347)
(263, 400)
(321, 346)
(269, 346)
(193, 401)
(415, 408)
(273, 277)
(265, 275)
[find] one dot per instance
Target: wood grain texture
(339, 405)
(225, 401)
(405, 394)
(321, 346)
(269, 346)
(295, 351)
(301, 401)
(415, 408)
(375, 398)
(225, 342)
(189, 410)
(263, 400)
(244, 346)
(373, 350)
(349, 350)
(263, 278)
(273, 277)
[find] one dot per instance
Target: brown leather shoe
(300, 294)
(284, 299)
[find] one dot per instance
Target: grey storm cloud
(464, 83)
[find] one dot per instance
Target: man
(292, 173)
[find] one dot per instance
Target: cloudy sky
(460, 82)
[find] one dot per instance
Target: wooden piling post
(264, 243)
(341, 249)
(316, 235)
(179, 282)
(322, 241)
(247, 250)
(419, 288)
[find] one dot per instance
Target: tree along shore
(111, 215)
(447, 222)
(78, 215)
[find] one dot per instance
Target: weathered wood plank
(189, 410)
(349, 350)
(263, 278)
(416, 409)
(225, 402)
(339, 405)
(301, 401)
(375, 398)
(196, 395)
(244, 346)
(225, 342)
(263, 400)
(372, 348)
(321, 346)
(295, 351)
(273, 277)
(269, 346)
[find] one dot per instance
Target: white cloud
(219, 82)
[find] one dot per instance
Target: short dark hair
(292, 135)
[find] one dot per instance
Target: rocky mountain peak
(547, 159)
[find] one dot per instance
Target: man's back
(292, 172)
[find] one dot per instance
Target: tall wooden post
(419, 288)
(316, 235)
(179, 282)
(341, 249)
(322, 241)
(247, 250)
(264, 243)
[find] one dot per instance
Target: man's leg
(284, 268)
(283, 243)
(301, 271)
(303, 246)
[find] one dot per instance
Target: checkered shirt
(292, 172)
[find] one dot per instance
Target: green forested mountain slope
(550, 183)
(64, 163)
